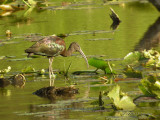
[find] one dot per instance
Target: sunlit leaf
(124, 102)
(101, 64)
(98, 63)
(6, 7)
(144, 90)
(157, 83)
(2, 57)
(150, 86)
(132, 57)
(28, 69)
(131, 72)
(32, 2)
(5, 70)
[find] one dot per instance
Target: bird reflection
(151, 38)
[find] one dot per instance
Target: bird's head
(75, 46)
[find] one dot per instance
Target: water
(82, 22)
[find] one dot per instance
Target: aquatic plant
(4, 71)
(120, 99)
(101, 64)
(150, 86)
(136, 62)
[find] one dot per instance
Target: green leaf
(131, 72)
(124, 102)
(157, 83)
(132, 57)
(28, 69)
(144, 90)
(5, 70)
(98, 63)
(101, 64)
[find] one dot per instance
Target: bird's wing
(47, 47)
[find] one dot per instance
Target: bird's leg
(50, 65)
(51, 74)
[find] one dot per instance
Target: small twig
(114, 16)
(27, 3)
(66, 72)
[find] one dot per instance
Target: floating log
(52, 92)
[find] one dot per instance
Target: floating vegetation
(7, 42)
(4, 71)
(90, 32)
(129, 71)
(101, 64)
(10, 7)
(100, 39)
(8, 33)
(120, 99)
(28, 69)
(89, 72)
(138, 62)
(146, 58)
(2, 57)
(150, 86)
(20, 59)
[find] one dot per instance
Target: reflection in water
(5, 92)
(4, 82)
(151, 38)
(53, 93)
(61, 109)
(114, 25)
(18, 80)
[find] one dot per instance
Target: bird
(52, 46)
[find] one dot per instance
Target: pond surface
(89, 24)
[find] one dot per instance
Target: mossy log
(52, 92)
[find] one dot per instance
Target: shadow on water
(151, 38)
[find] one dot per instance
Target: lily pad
(28, 69)
(132, 57)
(124, 102)
(101, 64)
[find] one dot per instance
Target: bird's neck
(68, 52)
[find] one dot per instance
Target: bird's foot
(53, 77)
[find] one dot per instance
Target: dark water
(87, 23)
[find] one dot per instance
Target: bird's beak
(84, 56)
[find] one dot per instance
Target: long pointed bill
(83, 55)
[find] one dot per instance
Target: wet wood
(51, 92)
(114, 16)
